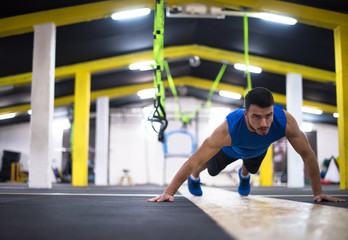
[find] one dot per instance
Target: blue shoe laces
(244, 182)
(195, 184)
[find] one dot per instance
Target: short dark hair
(262, 97)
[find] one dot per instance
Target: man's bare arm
(300, 143)
(219, 138)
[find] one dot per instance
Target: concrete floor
(121, 212)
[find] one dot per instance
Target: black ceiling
(301, 44)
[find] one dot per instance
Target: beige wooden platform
(257, 217)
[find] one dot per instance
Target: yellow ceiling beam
(278, 98)
(16, 80)
(66, 100)
(110, 92)
(65, 16)
(207, 53)
(88, 12)
(324, 107)
(205, 84)
(268, 65)
(186, 80)
(70, 15)
(120, 91)
(15, 109)
(95, 66)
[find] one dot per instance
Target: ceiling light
(142, 66)
(277, 18)
(6, 88)
(312, 110)
(146, 93)
(130, 13)
(251, 69)
(336, 115)
(7, 116)
(230, 94)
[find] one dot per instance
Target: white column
(294, 99)
(42, 105)
(102, 141)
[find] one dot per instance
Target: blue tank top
(246, 144)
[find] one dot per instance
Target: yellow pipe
(266, 169)
(341, 59)
(81, 129)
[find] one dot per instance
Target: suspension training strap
(215, 84)
(159, 114)
(187, 119)
(246, 54)
(173, 89)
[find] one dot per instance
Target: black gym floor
(117, 212)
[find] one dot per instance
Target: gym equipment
(246, 54)
(332, 174)
(168, 154)
(158, 114)
(17, 173)
(187, 118)
(8, 158)
(126, 179)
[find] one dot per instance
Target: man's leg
(194, 182)
(198, 170)
(215, 165)
(249, 166)
(244, 181)
(244, 172)
(218, 163)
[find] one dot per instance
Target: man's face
(259, 120)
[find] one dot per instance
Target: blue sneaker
(244, 184)
(194, 186)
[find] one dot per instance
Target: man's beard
(252, 128)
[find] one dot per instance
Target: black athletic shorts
(217, 163)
